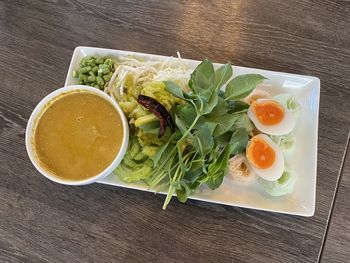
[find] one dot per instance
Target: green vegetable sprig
(211, 127)
(94, 72)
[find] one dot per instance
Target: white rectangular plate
(303, 160)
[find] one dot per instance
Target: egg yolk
(268, 112)
(260, 154)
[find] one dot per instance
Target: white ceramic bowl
(30, 130)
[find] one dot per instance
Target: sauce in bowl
(77, 135)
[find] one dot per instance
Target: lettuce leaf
(284, 185)
(284, 142)
(290, 102)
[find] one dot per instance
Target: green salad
(187, 127)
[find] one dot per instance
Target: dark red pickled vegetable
(160, 111)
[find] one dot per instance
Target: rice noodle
(146, 71)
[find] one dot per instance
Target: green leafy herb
(239, 141)
(218, 169)
(211, 126)
(241, 86)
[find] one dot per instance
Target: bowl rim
(36, 113)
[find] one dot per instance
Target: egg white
(285, 126)
(256, 95)
(274, 172)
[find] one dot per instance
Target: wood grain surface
(337, 245)
(41, 221)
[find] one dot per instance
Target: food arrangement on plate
(196, 128)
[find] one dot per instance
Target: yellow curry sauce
(78, 136)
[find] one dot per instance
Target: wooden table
(41, 221)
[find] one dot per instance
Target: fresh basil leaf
(221, 93)
(221, 108)
(204, 121)
(202, 84)
(194, 172)
(215, 167)
(186, 113)
(205, 141)
(164, 150)
(198, 144)
(174, 89)
(221, 76)
(217, 124)
(180, 125)
(243, 122)
(241, 86)
(218, 169)
(181, 195)
(239, 141)
(214, 183)
(222, 140)
(182, 192)
(195, 185)
(181, 146)
(209, 94)
(224, 123)
(205, 82)
(209, 106)
(206, 69)
(237, 106)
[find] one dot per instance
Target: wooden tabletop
(41, 221)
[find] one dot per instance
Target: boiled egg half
(265, 158)
(271, 117)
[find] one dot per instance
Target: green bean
(100, 72)
(95, 69)
(91, 63)
(86, 59)
(75, 74)
(86, 79)
(100, 60)
(108, 76)
(100, 81)
(83, 62)
(108, 62)
(105, 71)
(91, 78)
(85, 69)
(81, 76)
